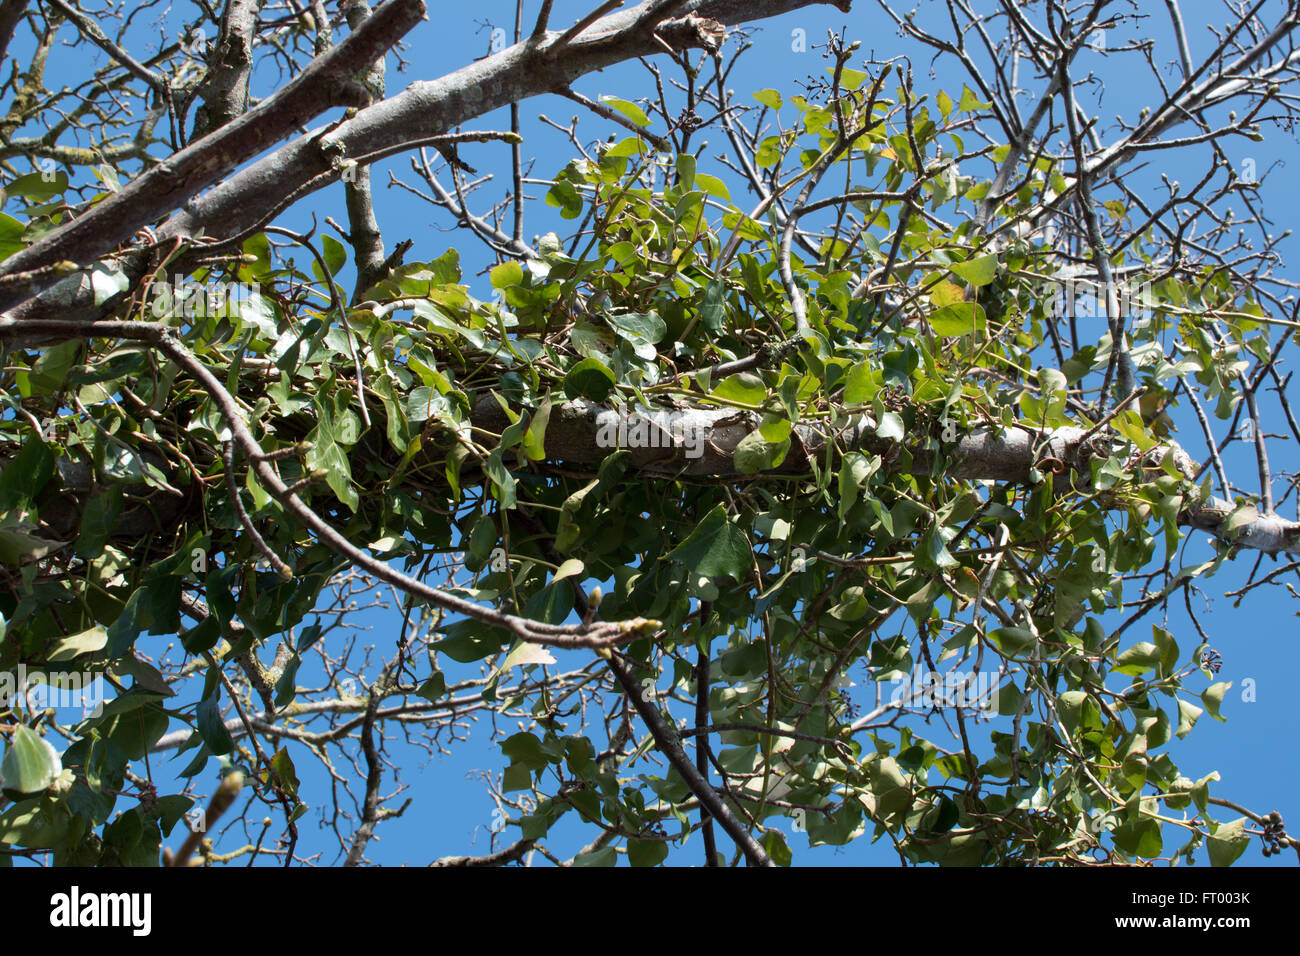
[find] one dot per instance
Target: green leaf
(524, 748)
(503, 481)
(335, 256)
(853, 605)
(605, 856)
(327, 455)
(646, 852)
(590, 378)
(525, 654)
(507, 274)
(1213, 698)
(567, 198)
(211, 727)
(1013, 640)
(957, 318)
(969, 101)
(25, 475)
(891, 426)
(769, 98)
(11, 231)
(30, 763)
(712, 185)
(850, 79)
(434, 688)
(979, 271)
(641, 330)
(773, 841)
(716, 548)
(33, 824)
(1138, 659)
(534, 440)
(74, 645)
(39, 186)
(712, 313)
(763, 448)
(568, 569)
(745, 388)
(859, 384)
(685, 172)
(1228, 842)
(469, 641)
(97, 522)
(1188, 714)
(630, 110)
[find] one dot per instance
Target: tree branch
(172, 183)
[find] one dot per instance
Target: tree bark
(579, 432)
(421, 112)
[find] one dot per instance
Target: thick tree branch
(171, 184)
(11, 11)
(511, 854)
(225, 89)
(581, 432)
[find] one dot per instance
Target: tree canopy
(831, 474)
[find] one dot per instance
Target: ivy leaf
(957, 318)
(326, 455)
(590, 378)
(30, 763)
(891, 426)
(524, 748)
(712, 314)
(716, 548)
(763, 448)
(745, 388)
(642, 330)
(859, 385)
(979, 271)
(566, 197)
(534, 440)
(506, 274)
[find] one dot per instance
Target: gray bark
(173, 183)
(11, 11)
(225, 90)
